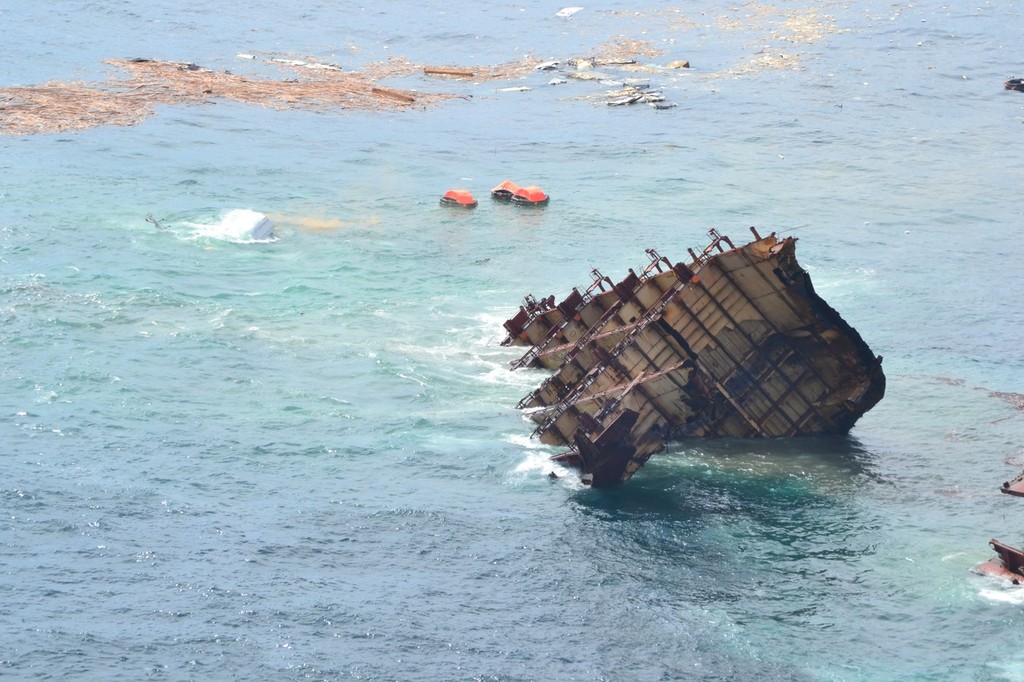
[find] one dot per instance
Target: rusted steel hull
(735, 343)
(1008, 565)
(1015, 486)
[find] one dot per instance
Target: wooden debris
(394, 94)
(438, 71)
(62, 107)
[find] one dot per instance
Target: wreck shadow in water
(729, 475)
(722, 517)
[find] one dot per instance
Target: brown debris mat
(625, 48)
(63, 107)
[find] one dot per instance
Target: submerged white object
(264, 229)
(243, 223)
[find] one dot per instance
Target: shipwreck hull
(735, 343)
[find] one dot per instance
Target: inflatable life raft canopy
(504, 191)
(459, 198)
(530, 196)
(525, 196)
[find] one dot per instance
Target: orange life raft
(530, 196)
(504, 191)
(458, 197)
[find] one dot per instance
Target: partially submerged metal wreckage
(736, 343)
(1008, 564)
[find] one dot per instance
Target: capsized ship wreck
(734, 343)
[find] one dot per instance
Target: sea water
(300, 458)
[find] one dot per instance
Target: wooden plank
(394, 94)
(437, 71)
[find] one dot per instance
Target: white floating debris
(242, 55)
(622, 101)
(566, 12)
(633, 94)
(242, 224)
(318, 65)
(238, 225)
(306, 65)
(263, 229)
(516, 88)
(557, 81)
(546, 66)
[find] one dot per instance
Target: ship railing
(655, 265)
(562, 406)
(712, 249)
(553, 332)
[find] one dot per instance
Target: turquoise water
(300, 459)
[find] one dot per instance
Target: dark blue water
(300, 459)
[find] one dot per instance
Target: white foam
(1011, 594)
(537, 462)
(525, 442)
